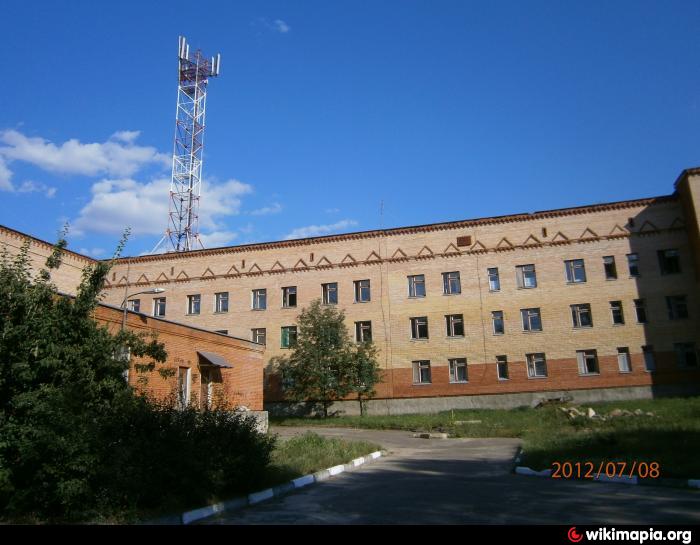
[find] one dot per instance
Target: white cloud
(29, 186)
(275, 208)
(118, 156)
(94, 252)
(280, 26)
(118, 203)
(318, 230)
(5, 177)
(332, 210)
(218, 238)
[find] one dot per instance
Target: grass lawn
(309, 453)
(671, 437)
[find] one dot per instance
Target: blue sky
(444, 110)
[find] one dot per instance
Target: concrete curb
(254, 498)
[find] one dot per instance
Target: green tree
(325, 365)
(365, 373)
(59, 372)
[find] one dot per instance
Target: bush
(76, 442)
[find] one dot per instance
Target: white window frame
(531, 362)
(503, 322)
(134, 305)
(454, 363)
(415, 329)
(617, 305)
(633, 265)
(255, 335)
(528, 312)
(258, 295)
(418, 366)
(286, 293)
(413, 282)
(583, 357)
(182, 404)
(576, 315)
(525, 272)
(494, 279)
(195, 298)
(502, 360)
(624, 360)
(218, 298)
(156, 302)
(450, 320)
(447, 279)
(571, 266)
(359, 287)
(360, 328)
(290, 328)
(326, 291)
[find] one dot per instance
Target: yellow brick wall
(386, 259)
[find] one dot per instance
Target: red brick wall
(241, 385)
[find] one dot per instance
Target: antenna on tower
(194, 72)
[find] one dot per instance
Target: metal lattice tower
(194, 72)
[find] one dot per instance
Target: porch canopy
(214, 359)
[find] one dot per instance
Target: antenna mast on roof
(194, 72)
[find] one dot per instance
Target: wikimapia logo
(637, 536)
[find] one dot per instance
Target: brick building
(205, 368)
(599, 301)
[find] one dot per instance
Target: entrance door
(183, 387)
(207, 388)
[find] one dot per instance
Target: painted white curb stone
(622, 480)
(256, 497)
(527, 471)
(694, 483)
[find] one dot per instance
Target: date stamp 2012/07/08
(594, 470)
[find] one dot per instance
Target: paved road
(461, 481)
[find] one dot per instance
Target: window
(455, 325)
(498, 325)
(669, 261)
(494, 280)
(363, 332)
(416, 285)
(159, 306)
(649, 361)
(193, 304)
(134, 305)
(451, 284)
(330, 293)
(640, 310)
(536, 365)
(502, 367)
(618, 316)
(575, 271)
(221, 302)
(587, 362)
(362, 293)
(458, 370)
(677, 307)
(623, 360)
(259, 299)
(224, 331)
(183, 387)
(289, 297)
(686, 355)
(526, 277)
(259, 335)
(633, 264)
(419, 327)
(531, 319)
(610, 268)
(421, 372)
(289, 336)
(581, 315)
